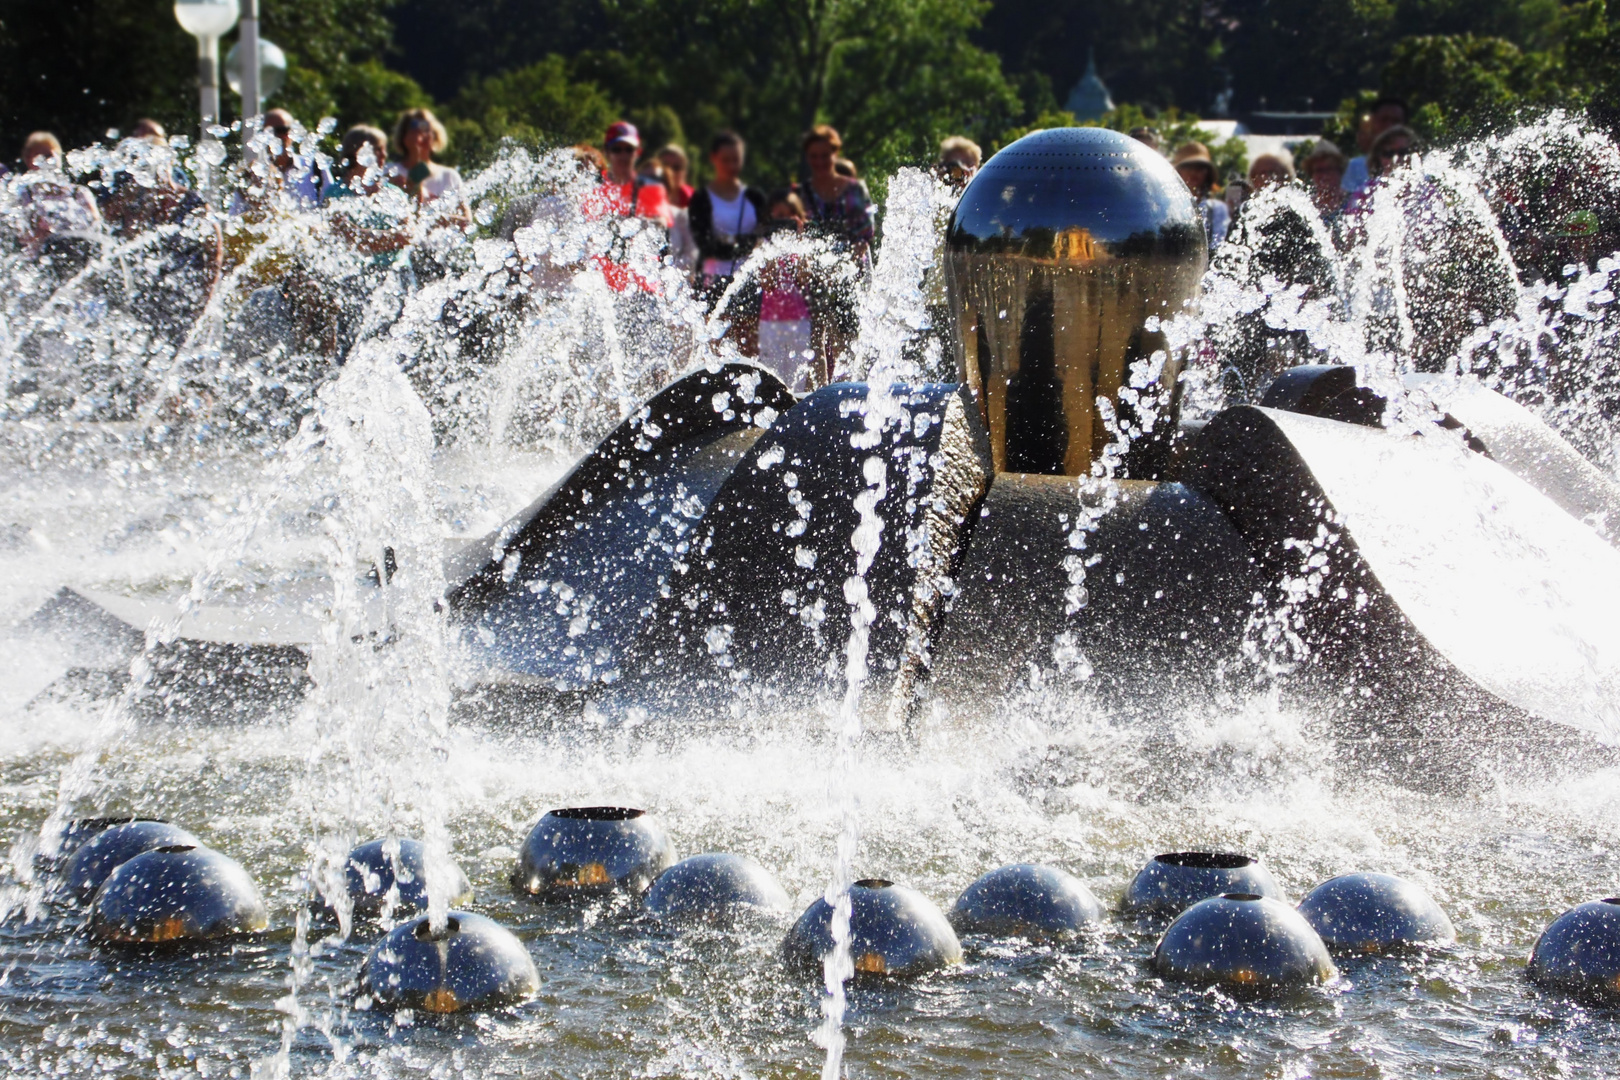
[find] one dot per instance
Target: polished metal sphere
(715, 887)
(1060, 250)
(591, 851)
(1175, 881)
(370, 874)
(1373, 913)
(893, 930)
(107, 850)
(472, 963)
(1579, 953)
(177, 894)
(1243, 943)
(1026, 900)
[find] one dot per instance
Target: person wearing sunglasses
(625, 192)
(959, 159)
(1390, 153)
(302, 178)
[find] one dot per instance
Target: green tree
(336, 53)
(1460, 84)
(1173, 127)
(80, 67)
(538, 105)
(893, 75)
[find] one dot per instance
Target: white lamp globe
(206, 18)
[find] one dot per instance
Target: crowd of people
(378, 203)
(792, 321)
(1341, 187)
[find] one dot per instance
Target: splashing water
(196, 445)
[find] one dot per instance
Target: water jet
(893, 930)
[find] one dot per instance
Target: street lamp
(207, 21)
(272, 74)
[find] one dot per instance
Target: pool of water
(1032, 779)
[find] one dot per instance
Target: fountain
(1175, 558)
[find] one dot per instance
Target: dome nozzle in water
(715, 888)
(110, 848)
(591, 851)
(1244, 942)
(1175, 881)
(1579, 954)
(473, 963)
(893, 930)
(177, 893)
(1372, 913)
(1025, 900)
(370, 878)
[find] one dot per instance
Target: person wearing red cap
(624, 194)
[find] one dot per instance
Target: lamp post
(207, 21)
(272, 74)
(247, 39)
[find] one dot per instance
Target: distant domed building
(1089, 99)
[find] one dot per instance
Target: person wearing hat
(1197, 168)
(625, 192)
(1324, 167)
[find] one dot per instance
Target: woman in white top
(726, 218)
(419, 136)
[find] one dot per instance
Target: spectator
(1324, 167)
(727, 217)
(1193, 162)
(381, 227)
(836, 205)
(676, 166)
(846, 168)
(302, 179)
(1387, 112)
(837, 208)
(1147, 137)
(623, 192)
(161, 195)
(53, 208)
(419, 136)
(1270, 170)
(785, 338)
(959, 159)
(1388, 153)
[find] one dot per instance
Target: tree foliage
(536, 105)
(1173, 128)
(893, 75)
(80, 67)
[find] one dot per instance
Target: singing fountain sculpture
(1034, 585)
